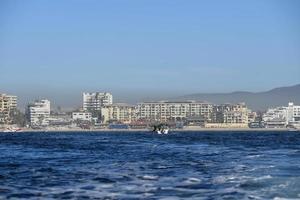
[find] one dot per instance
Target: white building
(82, 116)
(96, 100)
(278, 113)
(39, 113)
(293, 113)
(282, 116)
(60, 119)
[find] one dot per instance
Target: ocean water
(140, 165)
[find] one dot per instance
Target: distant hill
(254, 100)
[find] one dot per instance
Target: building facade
(231, 113)
(164, 111)
(94, 101)
(119, 113)
(282, 116)
(7, 104)
(82, 116)
(38, 113)
(252, 116)
(293, 113)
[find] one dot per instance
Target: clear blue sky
(55, 48)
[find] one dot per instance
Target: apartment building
(231, 113)
(94, 101)
(38, 113)
(164, 111)
(282, 116)
(121, 113)
(293, 113)
(7, 104)
(252, 116)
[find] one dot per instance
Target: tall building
(7, 104)
(164, 111)
(121, 113)
(38, 113)
(94, 101)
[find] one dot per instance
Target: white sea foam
(262, 178)
(227, 178)
(130, 176)
(149, 177)
(161, 167)
(192, 180)
(261, 167)
(254, 156)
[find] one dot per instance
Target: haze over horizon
(146, 49)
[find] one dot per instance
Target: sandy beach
(148, 130)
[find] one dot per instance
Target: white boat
(161, 129)
(12, 130)
(165, 131)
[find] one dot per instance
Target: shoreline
(147, 130)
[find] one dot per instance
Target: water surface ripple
(140, 165)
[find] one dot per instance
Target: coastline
(147, 130)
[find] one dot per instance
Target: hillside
(254, 100)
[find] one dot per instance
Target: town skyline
(99, 110)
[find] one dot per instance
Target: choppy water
(186, 165)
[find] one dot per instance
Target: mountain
(255, 100)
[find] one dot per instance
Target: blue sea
(141, 165)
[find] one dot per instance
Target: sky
(141, 49)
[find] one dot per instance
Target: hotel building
(120, 113)
(231, 113)
(229, 116)
(282, 116)
(164, 111)
(94, 101)
(38, 113)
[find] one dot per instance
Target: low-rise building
(275, 117)
(82, 116)
(282, 116)
(60, 119)
(226, 125)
